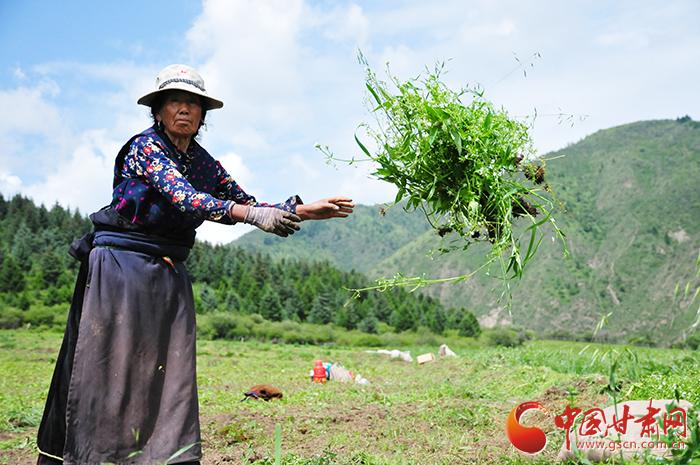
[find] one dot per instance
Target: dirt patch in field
(247, 435)
(583, 392)
(23, 452)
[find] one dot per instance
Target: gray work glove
(272, 220)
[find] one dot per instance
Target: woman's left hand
(334, 207)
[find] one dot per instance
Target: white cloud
(217, 233)
(9, 184)
(343, 24)
(233, 164)
(250, 59)
(59, 140)
(505, 27)
(29, 110)
(33, 130)
(85, 180)
(121, 74)
(18, 73)
(630, 38)
(359, 185)
(473, 34)
(304, 168)
(247, 137)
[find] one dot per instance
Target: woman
(124, 388)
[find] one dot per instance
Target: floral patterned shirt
(168, 192)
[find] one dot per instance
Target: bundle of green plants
(467, 164)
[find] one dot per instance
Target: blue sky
(71, 72)
(36, 32)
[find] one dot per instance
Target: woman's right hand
(273, 220)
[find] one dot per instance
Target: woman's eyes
(191, 101)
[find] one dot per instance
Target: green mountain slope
(356, 243)
(632, 221)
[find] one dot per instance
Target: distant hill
(632, 219)
(358, 243)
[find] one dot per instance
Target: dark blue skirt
(124, 388)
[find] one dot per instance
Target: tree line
(37, 277)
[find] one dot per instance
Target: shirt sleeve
(150, 162)
(230, 190)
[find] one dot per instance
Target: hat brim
(208, 103)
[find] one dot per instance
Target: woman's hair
(158, 102)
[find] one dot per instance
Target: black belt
(134, 241)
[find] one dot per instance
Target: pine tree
(465, 321)
(23, 246)
(208, 299)
(321, 312)
(346, 316)
(369, 324)
(233, 302)
(435, 318)
(11, 276)
(51, 267)
(403, 318)
(270, 305)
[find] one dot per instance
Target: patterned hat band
(186, 81)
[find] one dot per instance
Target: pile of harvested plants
(467, 164)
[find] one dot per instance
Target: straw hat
(181, 77)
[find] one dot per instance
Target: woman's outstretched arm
(332, 207)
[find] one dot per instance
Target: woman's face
(181, 113)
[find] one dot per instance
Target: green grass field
(451, 411)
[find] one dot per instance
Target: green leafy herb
(466, 163)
